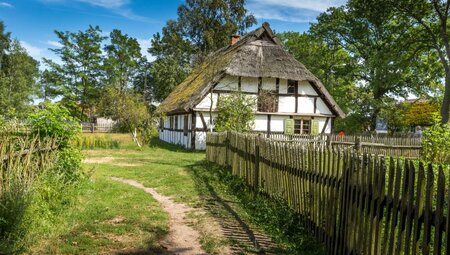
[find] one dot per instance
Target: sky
(33, 22)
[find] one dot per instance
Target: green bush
(55, 121)
(235, 112)
(436, 142)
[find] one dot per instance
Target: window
(185, 126)
(171, 122)
(292, 87)
(267, 101)
(176, 122)
(302, 126)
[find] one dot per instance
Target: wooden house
(257, 65)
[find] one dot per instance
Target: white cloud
(34, 51)
(54, 44)
(290, 10)
(145, 44)
(5, 4)
(118, 7)
(314, 5)
(107, 3)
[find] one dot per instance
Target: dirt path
(182, 239)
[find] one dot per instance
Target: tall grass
(94, 141)
(22, 160)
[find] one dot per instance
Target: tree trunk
(445, 107)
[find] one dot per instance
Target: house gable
(258, 54)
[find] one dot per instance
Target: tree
(429, 18)
(202, 27)
(18, 74)
(80, 74)
(327, 60)
(123, 57)
(235, 112)
(126, 108)
(387, 57)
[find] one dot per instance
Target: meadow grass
(111, 217)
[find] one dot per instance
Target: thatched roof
(258, 54)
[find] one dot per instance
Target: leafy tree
(235, 112)
(429, 18)
(384, 49)
(18, 74)
(202, 27)
(334, 66)
(127, 109)
(78, 78)
(123, 57)
(436, 142)
(5, 41)
(143, 80)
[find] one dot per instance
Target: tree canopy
(200, 28)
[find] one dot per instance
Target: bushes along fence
(354, 203)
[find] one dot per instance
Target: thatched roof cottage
(255, 64)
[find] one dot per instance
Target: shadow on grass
(155, 142)
(273, 215)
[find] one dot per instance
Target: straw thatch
(258, 54)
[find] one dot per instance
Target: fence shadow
(241, 235)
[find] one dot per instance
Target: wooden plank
(439, 217)
(396, 199)
(428, 211)
(419, 208)
(410, 208)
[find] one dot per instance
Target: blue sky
(33, 21)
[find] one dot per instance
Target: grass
(111, 217)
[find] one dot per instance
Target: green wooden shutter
(288, 126)
(314, 127)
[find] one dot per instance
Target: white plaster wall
(277, 123)
(286, 104)
(200, 140)
(249, 84)
(305, 105)
(304, 88)
(206, 101)
(322, 107)
(269, 84)
(228, 83)
(283, 86)
(260, 123)
(176, 137)
(198, 121)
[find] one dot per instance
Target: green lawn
(112, 217)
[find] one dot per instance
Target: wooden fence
(354, 203)
(408, 147)
(97, 128)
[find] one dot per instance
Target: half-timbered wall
(304, 103)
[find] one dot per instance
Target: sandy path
(181, 239)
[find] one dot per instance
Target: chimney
(235, 39)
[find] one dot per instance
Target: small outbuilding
(256, 65)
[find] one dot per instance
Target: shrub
(436, 142)
(55, 121)
(235, 112)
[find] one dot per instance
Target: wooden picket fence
(355, 203)
(408, 147)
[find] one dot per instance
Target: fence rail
(97, 128)
(354, 203)
(408, 147)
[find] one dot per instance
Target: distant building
(257, 64)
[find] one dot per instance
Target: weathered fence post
(227, 148)
(256, 173)
(358, 144)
